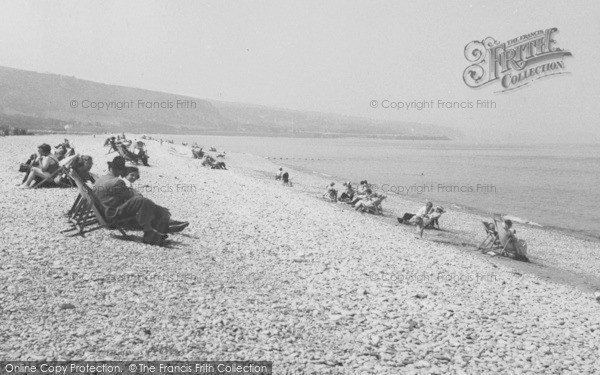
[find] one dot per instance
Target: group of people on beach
(363, 199)
(207, 159)
(41, 169)
(114, 191)
(134, 151)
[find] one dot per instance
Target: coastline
(272, 272)
(480, 212)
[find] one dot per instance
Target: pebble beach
(275, 273)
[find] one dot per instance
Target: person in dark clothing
(285, 177)
(120, 202)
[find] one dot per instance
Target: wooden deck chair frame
(86, 214)
(121, 151)
(492, 240)
(376, 209)
(63, 167)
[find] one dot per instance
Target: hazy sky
(328, 56)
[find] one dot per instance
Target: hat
(118, 163)
(45, 147)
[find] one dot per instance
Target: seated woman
(82, 165)
(348, 194)
(130, 175)
(47, 164)
(360, 196)
(510, 242)
(331, 193)
(371, 203)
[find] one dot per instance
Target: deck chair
(126, 154)
(376, 208)
(492, 240)
(434, 218)
(63, 167)
(87, 214)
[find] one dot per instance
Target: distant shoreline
(272, 135)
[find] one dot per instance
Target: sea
(552, 186)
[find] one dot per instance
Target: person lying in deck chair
(372, 204)
(120, 202)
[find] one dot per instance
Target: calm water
(551, 185)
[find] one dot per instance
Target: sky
(333, 56)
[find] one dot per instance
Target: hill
(51, 102)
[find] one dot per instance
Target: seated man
(120, 202)
(510, 242)
(409, 218)
(279, 174)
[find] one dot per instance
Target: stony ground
(266, 272)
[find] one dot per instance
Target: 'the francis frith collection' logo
(515, 63)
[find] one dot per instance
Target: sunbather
(47, 164)
(510, 242)
(371, 204)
